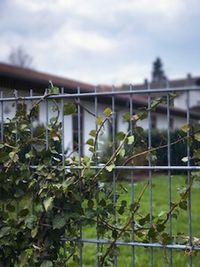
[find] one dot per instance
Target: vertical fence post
(114, 117)
(79, 155)
(132, 175)
(96, 163)
(149, 162)
(2, 117)
(189, 180)
(2, 125)
(169, 171)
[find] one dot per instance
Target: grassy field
(160, 203)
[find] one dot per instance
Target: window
(153, 121)
(21, 109)
(76, 130)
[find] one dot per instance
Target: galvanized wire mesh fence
(113, 99)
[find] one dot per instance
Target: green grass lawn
(160, 203)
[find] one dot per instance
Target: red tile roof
(34, 76)
(29, 79)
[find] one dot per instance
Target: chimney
(145, 82)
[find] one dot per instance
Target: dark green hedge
(178, 147)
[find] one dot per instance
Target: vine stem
(122, 230)
(177, 204)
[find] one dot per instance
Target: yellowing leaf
(127, 116)
(99, 120)
(1, 146)
(131, 139)
(13, 156)
(122, 152)
(110, 167)
(46, 263)
(47, 203)
(93, 133)
(34, 232)
(107, 112)
(185, 159)
(185, 128)
(197, 137)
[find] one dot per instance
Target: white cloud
(88, 40)
(104, 7)
(101, 40)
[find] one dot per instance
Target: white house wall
(181, 100)
(68, 134)
(89, 120)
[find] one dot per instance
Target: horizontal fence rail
(110, 93)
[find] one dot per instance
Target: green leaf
(90, 204)
(122, 152)
(155, 103)
(120, 136)
(121, 210)
(47, 263)
(185, 128)
(197, 153)
(91, 149)
(166, 239)
(4, 231)
(58, 222)
(48, 203)
(10, 207)
(131, 139)
(90, 142)
(160, 227)
(197, 137)
(183, 205)
(107, 112)
(110, 167)
(142, 115)
(23, 127)
(23, 213)
(29, 155)
(69, 109)
(1, 146)
(145, 219)
(13, 156)
(114, 234)
(99, 120)
(30, 221)
(93, 133)
(54, 90)
(152, 233)
(162, 213)
(34, 232)
(127, 116)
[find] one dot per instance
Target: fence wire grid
(112, 99)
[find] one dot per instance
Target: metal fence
(96, 99)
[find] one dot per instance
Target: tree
(158, 73)
(19, 57)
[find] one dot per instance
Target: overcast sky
(104, 41)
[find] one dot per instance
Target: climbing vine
(47, 198)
